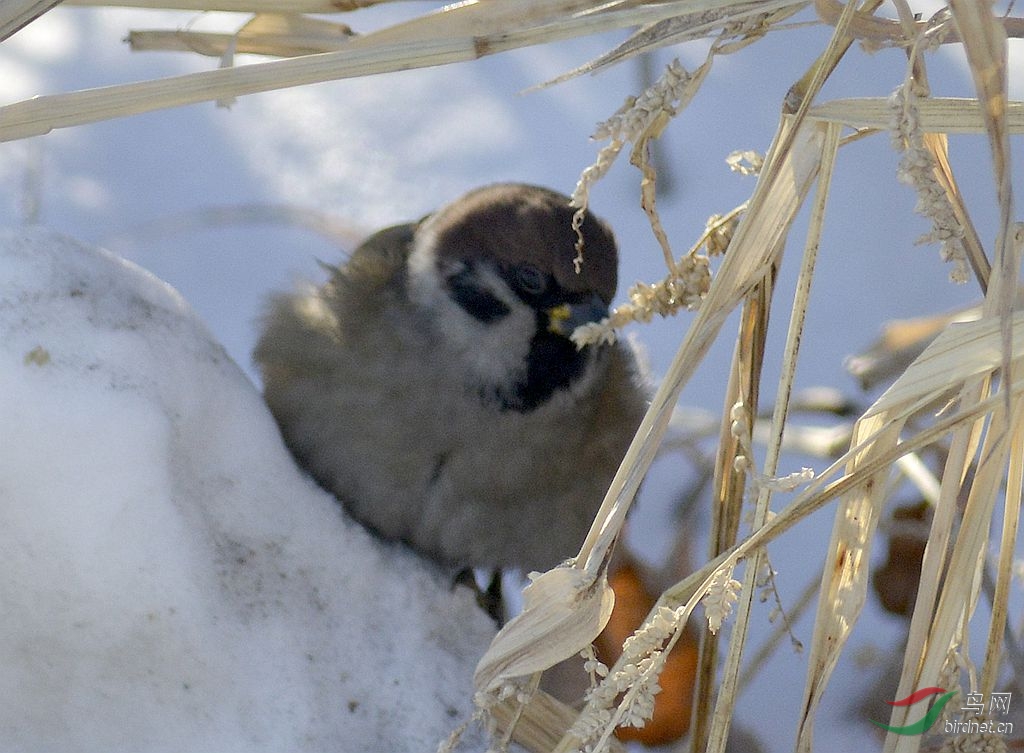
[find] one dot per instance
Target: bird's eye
(530, 280)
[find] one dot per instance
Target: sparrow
(431, 384)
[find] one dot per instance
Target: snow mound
(171, 581)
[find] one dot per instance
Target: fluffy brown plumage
(430, 383)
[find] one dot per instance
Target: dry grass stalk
(542, 722)
(985, 44)
(16, 14)
(958, 595)
(731, 476)
(966, 353)
(948, 115)
(780, 192)
(851, 542)
(845, 584)
(875, 32)
(868, 458)
(456, 33)
(731, 486)
(685, 595)
(778, 195)
(731, 672)
(1004, 567)
(736, 22)
(239, 6)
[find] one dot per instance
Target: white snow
(171, 581)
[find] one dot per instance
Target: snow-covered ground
(170, 580)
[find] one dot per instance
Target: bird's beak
(562, 320)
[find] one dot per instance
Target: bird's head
(495, 270)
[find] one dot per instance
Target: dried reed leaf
(900, 342)
(423, 42)
(40, 115)
(964, 353)
(963, 424)
(809, 87)
(564, 609)
(845, 574)
(963, 350)
(480, 19)
(984, 41)
(985, 44)
(429, 40)
(883, 32)
(1004, 568)
(277, 34)
(937, 114)
(805, 90)
(698, 21)
(16, 14)
(818, 494)
(212, 44)
(959, 591)
(965, 439)
(913, 468)
(239, 6)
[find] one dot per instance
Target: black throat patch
(552, 364)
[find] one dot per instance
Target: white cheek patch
(425, 285)
(492, 354)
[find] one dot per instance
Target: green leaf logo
(921, 726)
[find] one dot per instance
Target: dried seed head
(917, 169)
(975, 742)
(722, 594)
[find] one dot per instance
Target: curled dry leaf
(564, 610)
(845, 575)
